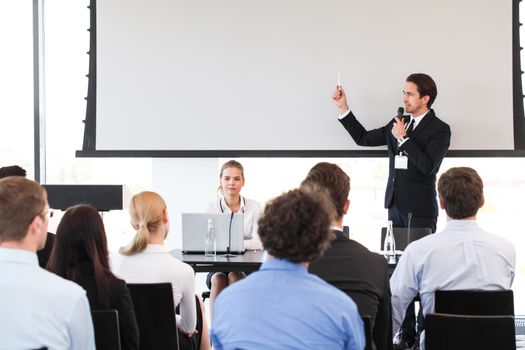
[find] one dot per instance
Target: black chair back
(404, 236)
(107, 331)
(155, 314)
(474, 302)
(455, 332)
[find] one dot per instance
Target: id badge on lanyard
(401, 162)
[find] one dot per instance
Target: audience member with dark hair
(80, 254)
(282, 306)
(146, 260)
(231, 181)
(38, 308)
(348, 265)
(43, 254)
(462, 256)
(12, 170)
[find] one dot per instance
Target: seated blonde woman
(231, 182)
(146, 260)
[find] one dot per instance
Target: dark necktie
(410, 126)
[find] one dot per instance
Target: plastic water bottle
(210, 244)
(389, 245)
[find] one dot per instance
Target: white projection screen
(247, 76)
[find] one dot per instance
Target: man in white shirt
(462, 256)
(38, 308)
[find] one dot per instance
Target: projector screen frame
(89, 140)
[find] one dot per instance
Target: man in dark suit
(43, 254)
(348, 265)
(416, 147)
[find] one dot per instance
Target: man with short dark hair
(42, 253)
(282, 306)
(38, 308)
(462, 256)
(348, 265)
(416, 147)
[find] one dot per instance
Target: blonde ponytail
(139, 242)
(145, 209)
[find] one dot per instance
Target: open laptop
(195, 227)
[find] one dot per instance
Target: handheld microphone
(400, 112)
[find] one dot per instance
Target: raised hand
(339, 98)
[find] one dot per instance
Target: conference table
(250, 261)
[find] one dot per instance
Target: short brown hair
(296, 226)
(460, 192)
(331, 178)
(426, 86)
(12, 170)
(20, 201)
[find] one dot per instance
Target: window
(16, 85)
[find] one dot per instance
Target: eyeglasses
(48, 213)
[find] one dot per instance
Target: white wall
(186, 185)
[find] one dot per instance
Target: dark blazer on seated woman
(119, 299)
(80, 254)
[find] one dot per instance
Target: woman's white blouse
(252, 212)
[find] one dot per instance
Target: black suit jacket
(414, 189)
(363, 276)
(120, 299)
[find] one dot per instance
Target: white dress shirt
(252, 212)
(39, 308)
(156, 265)
(462, 256)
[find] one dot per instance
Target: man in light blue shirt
(37, 308)
(282, 306)
(462, 256)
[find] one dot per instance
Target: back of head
(81, 242)
(460, 192)
(426, 86)
(80, 239)
(12, 170)
(20, 201)
(296, 226)
(145, 210)
(331, 178)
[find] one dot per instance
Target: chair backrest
(403, 236)
(474, 302)
(155, 314)
(367, 323)
(107, 331)
(451, 332)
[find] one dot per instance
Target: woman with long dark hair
(80, 254)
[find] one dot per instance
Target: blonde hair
(230, 164)
(145, 210)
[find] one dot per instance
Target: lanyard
(242, 208)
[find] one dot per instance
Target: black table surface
(250, 261)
